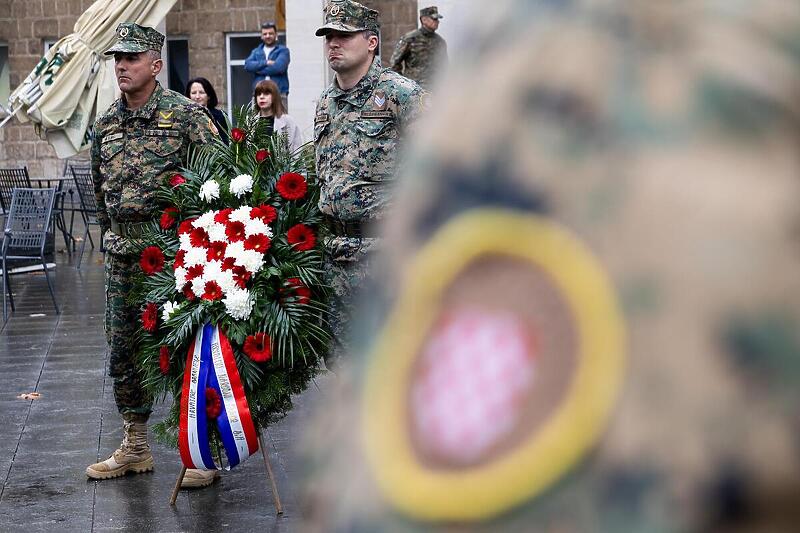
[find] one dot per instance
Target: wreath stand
(275, 496)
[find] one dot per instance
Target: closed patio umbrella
(74, 80)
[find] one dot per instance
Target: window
(5, 82)
(48, 44)
(240, 82)
(177, 63)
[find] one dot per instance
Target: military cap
(432, 12)
(348, 16)
(132, 38)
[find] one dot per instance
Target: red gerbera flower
(299, 289)
(302, 237)
(235, 231)
(241, 276)
(152, 260)
(169, 217)
(199, 238)
(213, 403)
(257, 348)
(150, 317)
(194, 271)
(216, 250)
(258, 242)
(186, 226)
(180, 256)
(265, 212)
(261, 156)
(237, 135)
(163, 360)
(291, 186)
(188, 292)
(222, 215)
(176, 180)
(229, 263)
(213, 291)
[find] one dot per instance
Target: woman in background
(268, 105)
(201, 91)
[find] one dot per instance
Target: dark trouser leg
(285, 100)
(121, 321)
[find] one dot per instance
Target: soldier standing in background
(358, 126)
(419, 53)
(140, 142)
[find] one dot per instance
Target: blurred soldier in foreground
(421, 52)
(359, 124)
(595, 316)
(140, 142)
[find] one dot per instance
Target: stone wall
(397, 18)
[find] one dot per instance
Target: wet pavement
(46, 443)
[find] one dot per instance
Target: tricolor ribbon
(210, 363)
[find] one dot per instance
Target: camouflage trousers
(121, 322)
(347, 269)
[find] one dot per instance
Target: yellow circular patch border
(483, 492)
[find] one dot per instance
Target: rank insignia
(164, 119)
(379, 100)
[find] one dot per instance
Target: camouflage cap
(432, 12)
(348, 16)
(132, 38)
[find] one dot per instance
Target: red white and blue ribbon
(210, 363)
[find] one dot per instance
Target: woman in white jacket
(267, 101)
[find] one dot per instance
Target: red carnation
(222, 215)
(298, 289)
(302, 237)
(169, 217)
(235, 231)
(265, 212)
(152, 260)
(176, 180)
(237, 135)
(194, 271)
(186, 226)
(216, 250)
(261, 156)
(163, 360)
(150, 317)
(213, 403)
(213, 291)
(258, 242)
(292, 186)
(180, 256)
(256, 347)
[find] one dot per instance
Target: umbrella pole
(275, 496)
(9, 117)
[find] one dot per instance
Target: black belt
(350, 228)
(128, 229)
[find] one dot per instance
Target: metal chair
(85, 187)
(25, 235)
(10, 178)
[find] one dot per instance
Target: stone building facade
(26, 26)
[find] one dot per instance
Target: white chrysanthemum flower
(186, 241)
(195, 256)
(251, 260)
(199, 286)
(238, 304)
(241, 184)
(241, 214)
(212, 270)
(216, 233)
(168, 309)
(205, 220)
(226, 281)
(235, 250)
(209, 190)
(180, 278)
(256, 226)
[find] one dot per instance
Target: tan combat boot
(195, 479)
(133, 455)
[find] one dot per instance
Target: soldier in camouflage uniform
(421, 53)
(358, 126)
(139, 143)
(653, 144)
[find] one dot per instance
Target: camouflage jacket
(135, 151)
(417, 55)
(356, 137)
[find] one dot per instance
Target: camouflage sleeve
(200, 126)
(399, 55)
(97, 179)
(411, 105)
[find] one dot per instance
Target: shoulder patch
(321, 117)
